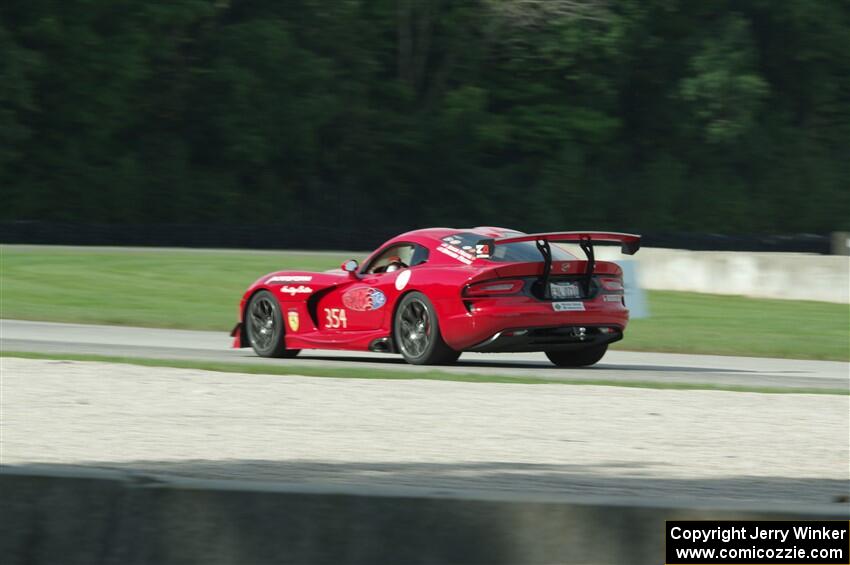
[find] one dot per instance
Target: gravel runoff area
(527, 440)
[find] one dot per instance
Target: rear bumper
(559, 338)
(485, 324)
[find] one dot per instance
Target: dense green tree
(635, 114)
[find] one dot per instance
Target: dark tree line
(729, 116)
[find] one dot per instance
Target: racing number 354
(335, 318)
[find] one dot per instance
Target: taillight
(494, 288)
(612, 284)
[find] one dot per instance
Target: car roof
(435, 235)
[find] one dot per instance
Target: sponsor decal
(482, 250)
(289, 278)
(402, 280)
(455, 253)
(568, 306)
(451, 247)
(292, 318)
(565, 267)
(293, 290)
(378, 299)
(364, 299)
(612, 297)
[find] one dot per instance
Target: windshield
(521, 252)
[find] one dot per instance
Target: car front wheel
(416, 332)
(264, 326)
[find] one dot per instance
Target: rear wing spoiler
(629, 244)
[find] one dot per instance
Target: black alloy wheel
(264, 326)
(417, 332)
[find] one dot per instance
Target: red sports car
(431, 294)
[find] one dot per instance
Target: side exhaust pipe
(382, 345)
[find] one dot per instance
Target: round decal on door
(402, 279)
(363, 299)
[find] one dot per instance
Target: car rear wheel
(579, 358)
(416, 331)
(264, 326)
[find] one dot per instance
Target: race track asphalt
(442, 438)
(45, 337)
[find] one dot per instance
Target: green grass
(688, 322)
(191, 289)
(432, 375)
(197, 289)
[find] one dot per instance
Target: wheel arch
(436, 351)
(435, 304)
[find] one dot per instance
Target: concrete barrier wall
(797, 276)
(111, 518)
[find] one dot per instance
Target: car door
(364, 303)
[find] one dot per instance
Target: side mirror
(350, 266)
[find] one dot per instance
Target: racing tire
(578, 358)
(416, 332)
(264, 326)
